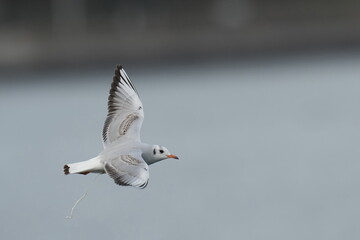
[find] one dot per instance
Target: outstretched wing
(125, 110)
(128, 170)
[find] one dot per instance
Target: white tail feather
(93, 165)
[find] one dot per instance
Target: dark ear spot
(154, 152)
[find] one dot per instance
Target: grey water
(269, 149)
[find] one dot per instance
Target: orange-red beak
(172, 156)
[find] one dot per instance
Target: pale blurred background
(259, 99)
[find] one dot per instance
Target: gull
(124, 158)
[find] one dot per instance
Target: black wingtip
(117, 71)
(66, 170)
(144, 185)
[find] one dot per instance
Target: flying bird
(124, 158)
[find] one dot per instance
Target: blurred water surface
(268, 150)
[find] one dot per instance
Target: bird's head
(161, 153)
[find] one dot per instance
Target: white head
(158, 153)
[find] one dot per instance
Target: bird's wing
(128, 170)
(125, 110)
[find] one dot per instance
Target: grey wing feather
(128, 170)
(125, 110)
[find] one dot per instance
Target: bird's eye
(161, 151)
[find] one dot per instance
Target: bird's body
(124, 158)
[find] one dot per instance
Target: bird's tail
(93, 165)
